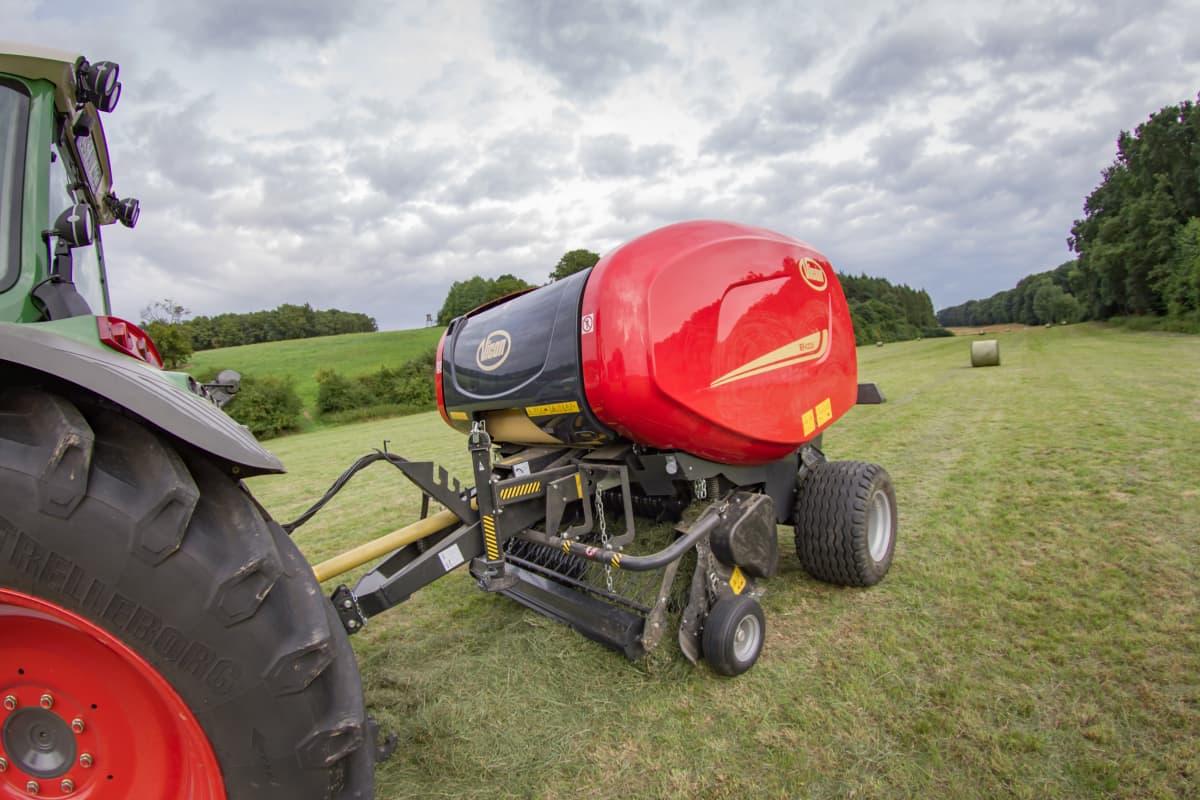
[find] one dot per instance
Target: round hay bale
(879, 344)
(985, 353)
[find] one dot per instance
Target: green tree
(474, 292)
(165, 310)
(164, 322)
(1127, 241)
(574, 261)
(1181, 286)
(174, 343)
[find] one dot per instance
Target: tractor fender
(140, 389)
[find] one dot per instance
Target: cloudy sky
(364, 154)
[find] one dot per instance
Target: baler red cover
(723, 340)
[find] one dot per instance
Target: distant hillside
(299, 359)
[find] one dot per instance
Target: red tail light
(127, 338)
(437, 379)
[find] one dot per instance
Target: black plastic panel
(523, 355)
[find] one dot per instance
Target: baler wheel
(846, 523)
(733, 634)
(160, 636)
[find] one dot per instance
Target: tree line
(1137, 246)
(1040, 298)
(884, 312)
(177, 337)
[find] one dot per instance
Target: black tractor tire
(153, 547)
(845, 523)
(734, 631)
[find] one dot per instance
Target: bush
(268, 406)
(408, 387)
(336, 392)
(935, 333)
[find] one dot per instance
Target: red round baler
(726, 341)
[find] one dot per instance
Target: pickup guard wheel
(733, 634)
(150, 608)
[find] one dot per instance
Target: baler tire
(733, 636)
(225, 661)
(845, 523)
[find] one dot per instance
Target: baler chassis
(535, 527)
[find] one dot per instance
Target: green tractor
(160, 635)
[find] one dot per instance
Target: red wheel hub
(84, 716)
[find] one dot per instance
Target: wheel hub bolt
(46, 701)
(3, 765)
(85, 760)
(67, 785)
(32, 787)
(77, 725)
(10, 703)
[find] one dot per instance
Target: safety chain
(604, 540)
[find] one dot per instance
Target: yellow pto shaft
(384, 545)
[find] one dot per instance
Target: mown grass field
(299, 359)
(1038, 635)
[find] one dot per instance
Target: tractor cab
(56, 186)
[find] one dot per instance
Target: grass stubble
(1037, 635)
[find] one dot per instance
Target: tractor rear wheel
(162, 637)
(846, 523)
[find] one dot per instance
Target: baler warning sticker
(459, 415)
(809, 422)
(451, 557)
(552, 409)
(824, 412)
(737, 581)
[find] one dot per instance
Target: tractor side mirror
(226, 385)
(74, 226)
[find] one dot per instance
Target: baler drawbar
(687, 379)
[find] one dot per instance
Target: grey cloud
(235, 24)
(587, 47)
(901, 62)
(514, 165)
(175, 145)
(615, 156)
(403, 172)
(785, 122)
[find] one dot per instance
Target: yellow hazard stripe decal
(525, 489)
(489, 538)
(578, 485)
(616, 560)
(462, 416)
(552, 409)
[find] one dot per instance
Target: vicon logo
(813, 275)
(493, 350)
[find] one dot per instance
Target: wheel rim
(746, 638)
(77, 706)
(879, 525)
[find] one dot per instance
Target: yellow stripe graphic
(566, 547)
(616, 560)
(552, 409)
(807, 348)
(489, 538)
(524, 489)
